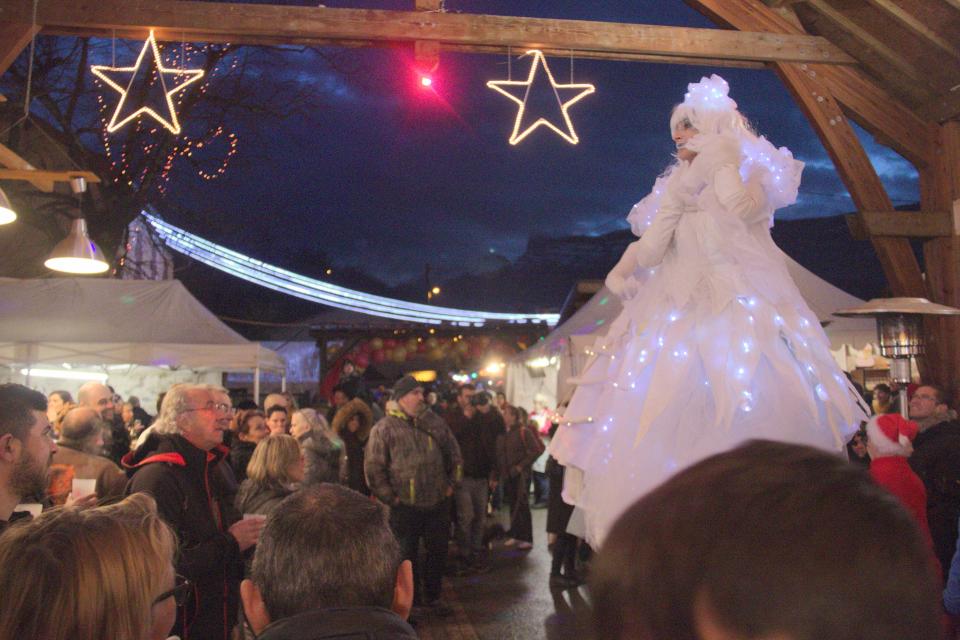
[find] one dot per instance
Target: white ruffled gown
(717, 346)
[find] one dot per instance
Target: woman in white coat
(714, 345)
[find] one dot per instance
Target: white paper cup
(83, 487)
(35, 508)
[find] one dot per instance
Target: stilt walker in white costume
(714, 345)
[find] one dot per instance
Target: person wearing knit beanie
(890, 442)
(404, 385)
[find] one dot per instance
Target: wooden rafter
(873, 108)
(11, 160)
(943, 107)
(883, 51)
(33, 175)
(273, 24)
(902, 224)
(811, 88)
(917, 26)
(14, 36)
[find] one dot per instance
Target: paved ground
(513, 600)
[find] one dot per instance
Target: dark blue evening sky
(387, 177)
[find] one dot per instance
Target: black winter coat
(350, 623)
(195, 499)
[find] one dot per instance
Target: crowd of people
(292, 522)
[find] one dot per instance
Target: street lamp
(899, 333)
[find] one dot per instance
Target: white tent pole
(256, 385)
(283, 381)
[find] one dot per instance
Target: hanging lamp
(7, 214)
(77, 253)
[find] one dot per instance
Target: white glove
(652, 245)
(746, 201)
(713, 151)
(625, 288)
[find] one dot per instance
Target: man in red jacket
(193, 496)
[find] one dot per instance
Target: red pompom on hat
(890, 434)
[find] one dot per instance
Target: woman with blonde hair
(322, 449)
(90, 574)
(275, 470)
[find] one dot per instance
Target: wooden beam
(14, 37)
(873, 108)
(839, 139)
(39, 174)
(892, 57)
(11, 160)
(916, 25)
(903, 224)
(243, 23)
(943, 107)
(939, 189)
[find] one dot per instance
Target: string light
(306, 288)
(508, 87)
(195, 150)
(122, 114)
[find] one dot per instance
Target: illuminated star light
(171, 123)
(508, 87)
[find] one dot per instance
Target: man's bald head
(98, 397)
(82, 430)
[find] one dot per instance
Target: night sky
(387, 177)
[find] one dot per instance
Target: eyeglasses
(180, 593)
(222, 407)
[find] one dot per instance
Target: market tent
(538, 376)
(79, 321)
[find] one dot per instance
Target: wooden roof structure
(892, 66)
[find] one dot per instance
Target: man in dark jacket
(26, 447)
(413, 465)
(194, 499)
(306, 584)
(476, 424)
(936, 459)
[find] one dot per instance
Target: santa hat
(890, 434)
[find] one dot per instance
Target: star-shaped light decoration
(141, 72)
(519, 92)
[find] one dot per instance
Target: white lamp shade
(7, 214)
(77, 253)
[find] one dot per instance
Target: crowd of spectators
(297, 522)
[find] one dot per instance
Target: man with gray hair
(81, 439)
(328, 566)
(194, 499)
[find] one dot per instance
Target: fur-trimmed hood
(347, 411)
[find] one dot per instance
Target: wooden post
(896, 257)
(940, 187)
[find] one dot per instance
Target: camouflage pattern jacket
(412, 461)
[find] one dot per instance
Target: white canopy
(561, 352)
(103, 321)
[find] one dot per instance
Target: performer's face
(681, 134)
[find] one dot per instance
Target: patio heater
(899, 333)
